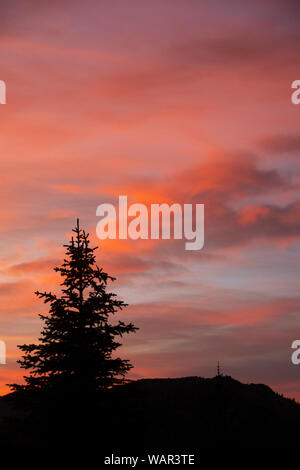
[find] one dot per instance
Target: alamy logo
(161, 216)
(296, 354)
(2, 92)
(295, 98)
(2, 352)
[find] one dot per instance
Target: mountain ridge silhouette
(178, 414)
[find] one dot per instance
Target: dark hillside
(193, 412)
(166, 415)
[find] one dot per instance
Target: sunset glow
(165, 102)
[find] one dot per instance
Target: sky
(163, 101)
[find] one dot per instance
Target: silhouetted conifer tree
(74, 355)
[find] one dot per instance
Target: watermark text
(163, 222)
(2, 92)
(2, 352)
